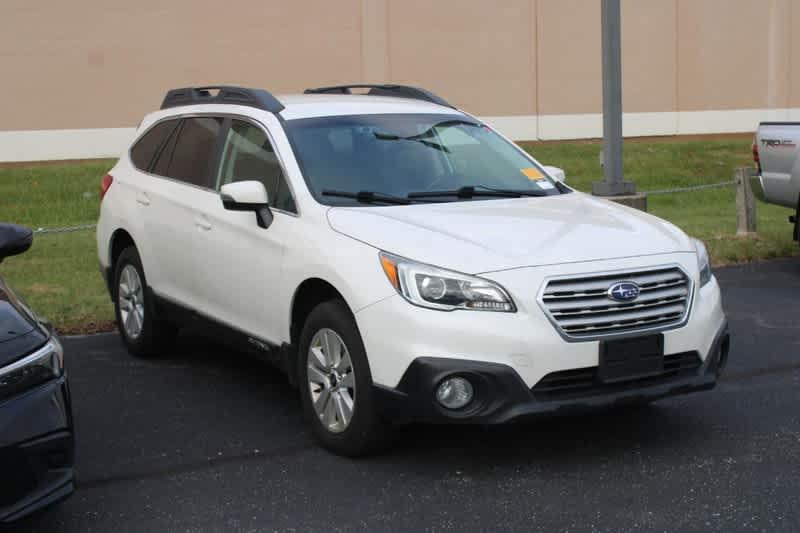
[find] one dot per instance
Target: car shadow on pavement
(570, 439)
(584, 437)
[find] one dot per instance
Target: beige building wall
(568, 49)
(649, 58)
(531, 66)
(104, 63)
(733, 54)
(481, 59)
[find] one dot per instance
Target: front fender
(350, 266)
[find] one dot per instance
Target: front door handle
(202, 223)
(142, 199)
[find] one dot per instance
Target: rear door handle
(142, 199)
(202, 223)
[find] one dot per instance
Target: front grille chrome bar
(580, 308)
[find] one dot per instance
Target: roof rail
(226, 95)
(401, 91)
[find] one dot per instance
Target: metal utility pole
(613, 183)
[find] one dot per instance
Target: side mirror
(556, 173)
(14, 240)
(248, 196)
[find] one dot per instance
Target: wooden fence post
(745, 203)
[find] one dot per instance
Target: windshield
(400, 155)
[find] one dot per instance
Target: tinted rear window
(146, 147)
(164, 155)
(191, 159)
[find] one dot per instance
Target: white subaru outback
(400, 260)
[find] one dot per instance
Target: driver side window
(248, 155)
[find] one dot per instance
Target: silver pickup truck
(776, 152)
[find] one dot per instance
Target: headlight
(436, 288)
(702, 262)
(41, 366)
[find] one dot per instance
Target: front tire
(142, 334)
(336, 383)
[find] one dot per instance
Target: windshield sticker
(532, 173)
(544, 184)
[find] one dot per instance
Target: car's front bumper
(400, 338)
(502, 396)
(36, 450)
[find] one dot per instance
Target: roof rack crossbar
(226, 94)
(401, 91)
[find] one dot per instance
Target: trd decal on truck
(778, 143)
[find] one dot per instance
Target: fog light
(454, 393)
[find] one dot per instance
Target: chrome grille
(581, 309)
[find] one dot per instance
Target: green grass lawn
(59, 275)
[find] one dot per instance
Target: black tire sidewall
(365, 430)
(146, 343)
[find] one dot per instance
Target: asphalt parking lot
(208, 440)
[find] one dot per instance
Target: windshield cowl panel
(397, 155)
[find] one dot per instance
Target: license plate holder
(631, 358)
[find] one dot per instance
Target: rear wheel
(336, 383)
(142, 334)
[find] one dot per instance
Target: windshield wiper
(470, 191)
(431, 132)
(414, 138)
(368, 197)
(425, 136)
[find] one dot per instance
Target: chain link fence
(729, 183)
(66, 229)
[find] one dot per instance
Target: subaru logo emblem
(624, 291)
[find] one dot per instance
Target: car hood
(490, 235)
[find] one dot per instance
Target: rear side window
(164, 155)
(146, 148)
(194, 149)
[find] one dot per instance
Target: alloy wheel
(331, 380)
(131, 302)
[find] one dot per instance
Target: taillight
(756, 158)
(105, 184)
